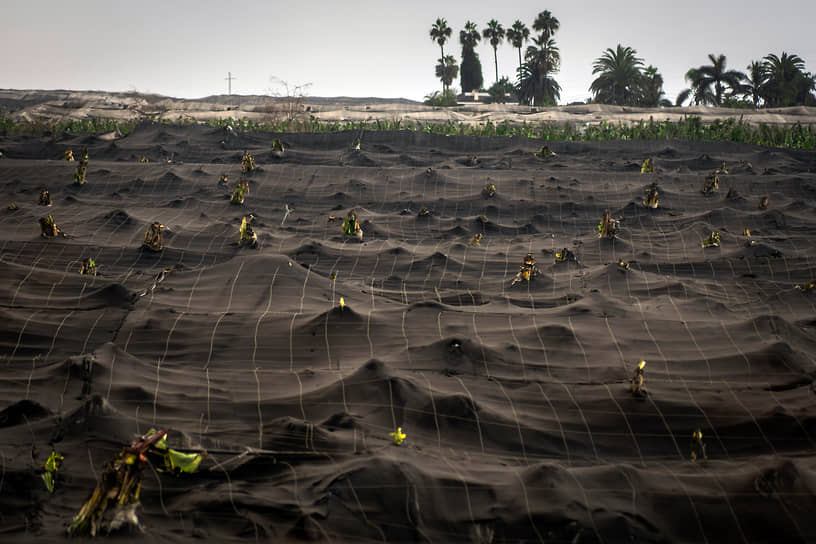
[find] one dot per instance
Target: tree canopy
(622, 80)
(471, 69)
(536, 86)
(709, 83)
(546, 24)
(621, 76)
(785, 81)
(495, 34)
(447, 70)
(440, 33)
(518, 35)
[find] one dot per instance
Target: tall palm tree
(709, 82)
(495, 33)
(470, 36)
(447, 70)
(787, 82)
(440, 32)
(471, 69)
(517, 35)
(546, 60)
(535, 83)
(619, 78)
(546, 24)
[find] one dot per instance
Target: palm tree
(699, 93)
(495, 33)
(651, 92)
(471, 71)
(470, 36)
(619, 77)
(535, 89)
(787, 82)
(440, 32)
(447, 70)
(546, 24)
(546, 58)
(535, 84)
(715, 75)
(754, 82)
(517, 35)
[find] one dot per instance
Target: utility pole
(229, 79)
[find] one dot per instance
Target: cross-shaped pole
(229, 79)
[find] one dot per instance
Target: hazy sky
(378, 48)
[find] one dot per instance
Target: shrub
(502, 91)
(444, 99)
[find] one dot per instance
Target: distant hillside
(29, 105)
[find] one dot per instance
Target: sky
(364, 48)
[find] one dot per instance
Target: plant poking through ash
(82, 167)
(608, 227)
(45, 198)
(48, 227)
(527, 270)
(88, 267)
(248, 236)
(623, 266)
(355, 145)
(113, 503)
(49, 474)
(277, 148)
(68, 155)
(398, 436)
(240, 193)
(477, 238)
(247, 163)
(713, 240)
(651, 200)
(711, 184)
(647, 167)
(544, 153)
(722, 169)
(565, 255)
(489, 190)
(153, 237)
(763, 202)
(637, 380)
(223, 180)
(698, 448)
(351, 225)
(807, 287)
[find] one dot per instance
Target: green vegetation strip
(692, 128)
